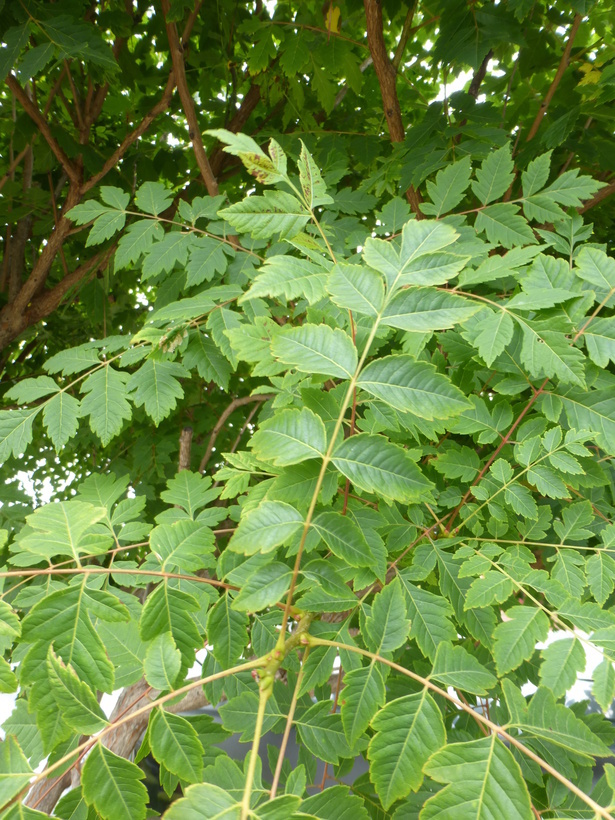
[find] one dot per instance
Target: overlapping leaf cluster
(426, 495)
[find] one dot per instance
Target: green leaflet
(289, 437)
(408, 731)
(203, 802)
(387, 627)
(449, 187)
(268, 526)
(276, 212)
(516, 637)
(423, 309)
(494, 176)
(412, 386)
(356, 288)
(156, 386)
(207, 258)
(483, 779)
(374, 464)
(537, 174)
(162, 662)
(595, 267)
(563, 660)
(551, 721)
(170, 610)
(591, 410)
(430, 617)
(64, 617)
(549, 353)
(113, 785)
(226, 631)
(61, 418)
(106, 402)
(74, 698)
(264, 587)
(344, 538)
(175, 743)
(604, 684)
(16, 431)
(323, 735)
(454, 666)
(290, 278)
(419, 239)
(364, 694)
(63, 529)
(504, 226)
(336, 803)
(15, 772)
(317, 349)
(136, 241)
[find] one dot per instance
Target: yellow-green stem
(287, 728)
(265, 693)
(323, 468)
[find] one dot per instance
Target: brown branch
(122, 742)
(386, 74)
(177, 56)
(405, 36)
(17, 316)
(597, 198)
(563, 65)
(479, 75)
(185, 446)
(35, 115)
(239, 402)
(13, 166)
(134, 135)
(19, 239)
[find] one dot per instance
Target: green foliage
(385, 373)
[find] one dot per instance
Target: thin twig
(239, 402)
(404, 36)
(288, 727)
(563, 65)
(35, 115)
(177, 56)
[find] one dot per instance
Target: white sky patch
(458, 84)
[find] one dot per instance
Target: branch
(185, 445)
(386, 74)
(35, 115)
(134, 135)
(14, 165)
(405, 35)
(239, 402)
(127, 718)
(597, 198)
(479, 75)
(49, 300)
(288, 727)
(563, 65)
(177, 56)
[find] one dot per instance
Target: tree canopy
(307, 337)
